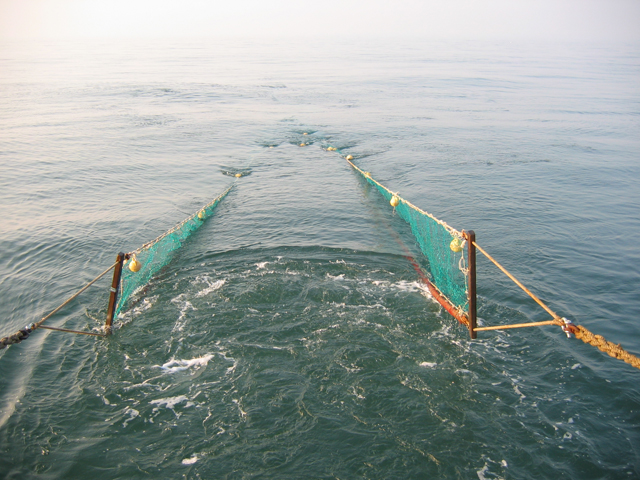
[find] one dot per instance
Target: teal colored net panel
(446, 267)
(154, 255)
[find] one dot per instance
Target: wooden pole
(471, 249)
(517, 325)
(47, 327)
(113, 297)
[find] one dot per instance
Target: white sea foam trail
(174, 366)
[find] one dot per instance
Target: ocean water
(289, 337)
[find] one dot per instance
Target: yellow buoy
(304, 133)
(394, 201)
(134, 264)
(367, 174)
(201, 215)
(302, 145)
(238, 175)
(456, 245)
(349, 157)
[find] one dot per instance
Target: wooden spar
(72, 331)
(113, 297)
(471, 249)
(517, 325)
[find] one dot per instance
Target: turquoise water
(289, 337)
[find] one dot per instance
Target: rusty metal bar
(113, 297)
(471, 260)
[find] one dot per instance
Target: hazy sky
(599, 20)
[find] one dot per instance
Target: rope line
(447, 227)
(611, 349)
(72, 331)
(148, 245)
(598, 341)
(527, 291)
(26, 331)
(516, 325)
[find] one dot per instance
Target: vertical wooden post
(113, 297)
(471, 249)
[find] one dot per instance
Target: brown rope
(73, 331)
(45, 318)
(611, 349)
(598, 341)
(518, 325)
(25, 332)
(527, 291)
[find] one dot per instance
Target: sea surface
(289, 337)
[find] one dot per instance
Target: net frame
(448, 275)
(156, 254)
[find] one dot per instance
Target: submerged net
(154, 255)
(446, 267)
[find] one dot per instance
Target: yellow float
(456, 245)
(134, 264)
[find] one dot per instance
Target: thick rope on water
(26, 331)
(611, 349)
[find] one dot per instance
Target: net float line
(580, 332)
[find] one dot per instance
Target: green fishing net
(154, 255)
(446, 267)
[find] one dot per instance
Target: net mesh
(446, 268)
(154, 255)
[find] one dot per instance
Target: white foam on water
(406, 286)
(212, 285)
(171, 402)
(184, 305)
(261, 265)
(133, 413)
(242, 412)
(173, 365)
(233, 367)
(337, 277)
(358, 392)
(428, 364)
(190, 461)
(517, 390)
(424, 291)
(126, 317)
(485, 470)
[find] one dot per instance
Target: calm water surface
(289, 337)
